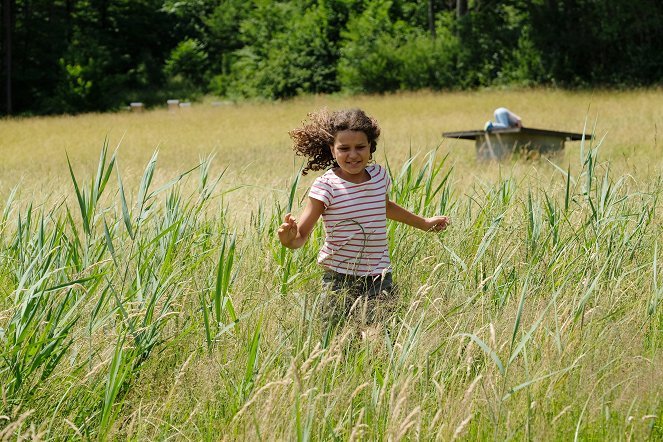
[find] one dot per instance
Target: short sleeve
(382, 172)
(387, 180)
(321, 191)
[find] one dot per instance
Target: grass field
(146, 297)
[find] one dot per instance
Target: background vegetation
(69, 56)
(145, 296)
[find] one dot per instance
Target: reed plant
(141, 307)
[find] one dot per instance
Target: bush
(427, 62)
(368, 61)
(298, 57)
(82, 81)
(187, 63)
(379, 55)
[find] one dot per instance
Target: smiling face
(352, 152)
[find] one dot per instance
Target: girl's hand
(288, 230)
(437, 223)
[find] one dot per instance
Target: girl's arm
(398, 213)
(292, 234)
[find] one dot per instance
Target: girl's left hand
(437, 223)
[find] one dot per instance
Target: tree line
(69, 56)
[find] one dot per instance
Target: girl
(352, 198)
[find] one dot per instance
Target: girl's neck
(352, 178)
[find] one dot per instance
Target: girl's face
(352, 152)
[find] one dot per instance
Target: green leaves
(108, 270)
(88, 199)
(223, 304)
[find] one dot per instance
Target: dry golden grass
(251, 138)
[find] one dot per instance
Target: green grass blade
(109, 243)
(80, 196)
(486, 349)
(126, 215)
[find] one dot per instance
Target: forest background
(72, 56)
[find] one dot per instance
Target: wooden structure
(500, 143)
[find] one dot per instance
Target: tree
(7, 52)
(289, 48)
(461, 8)
(586, 42)
(88, 55)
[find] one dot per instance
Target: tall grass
(99, 285)
(146, 311)
(504, 317)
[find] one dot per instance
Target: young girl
(352, 198)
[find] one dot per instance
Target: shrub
(381, 55)
(188, 63)
(298, 56)
(368, 62)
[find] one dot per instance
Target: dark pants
(368, 299)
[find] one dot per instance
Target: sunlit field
(144, 294)
(252, 140)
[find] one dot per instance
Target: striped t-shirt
(355, 221)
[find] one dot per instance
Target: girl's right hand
(288, 230)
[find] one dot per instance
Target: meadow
(144, 294)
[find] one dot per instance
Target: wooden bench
(501, 143)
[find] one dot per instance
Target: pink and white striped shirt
(355, 221)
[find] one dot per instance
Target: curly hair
(315, 138)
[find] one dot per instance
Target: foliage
(589, 42)
(368, 62)
(287, 51)
(409, 59)
(188, 62)
(75, 55)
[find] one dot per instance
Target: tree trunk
(7, 25)
(431, 18)
(461, 8)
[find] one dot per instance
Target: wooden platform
(500, 143)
